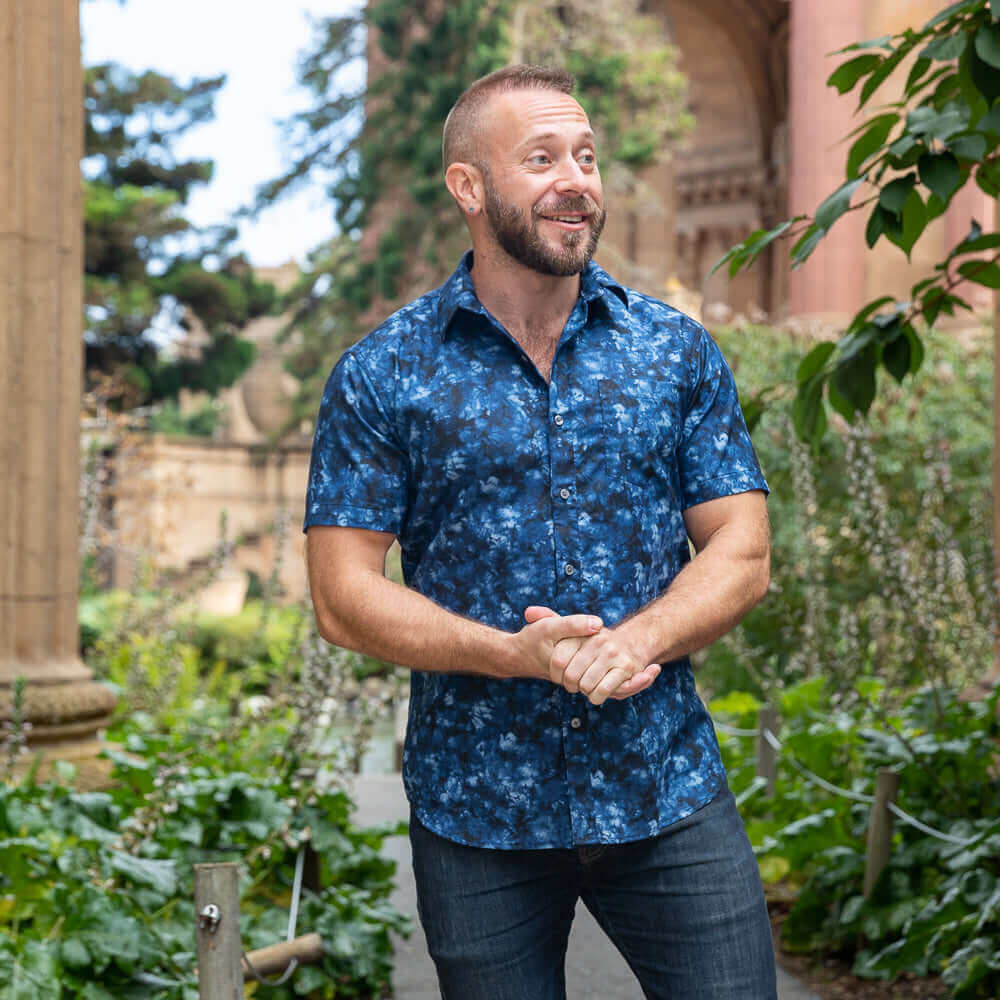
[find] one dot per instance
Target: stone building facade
(767, 145)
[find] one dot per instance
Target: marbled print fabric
(505, 490)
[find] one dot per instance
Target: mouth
(571, 221)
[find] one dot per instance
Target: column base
(67, 709)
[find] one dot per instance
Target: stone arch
(729, 177)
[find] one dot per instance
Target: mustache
(569, 206)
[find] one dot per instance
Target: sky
(256, 44)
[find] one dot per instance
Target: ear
(465, 183)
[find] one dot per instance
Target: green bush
(96, 890)
(935, 909)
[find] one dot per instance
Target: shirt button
(569, 569)
(576, 722)
(558, 420)
(564, 493)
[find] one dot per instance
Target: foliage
(97, 897)
(379, 146)
(907, 162)
(141, 255)
(936, 906)
(881, 561)
(168, 419)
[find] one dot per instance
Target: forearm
(375, 616)
(708, 597)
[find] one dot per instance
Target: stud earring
(472, 208)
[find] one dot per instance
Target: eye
(588, 159)
(540, 158)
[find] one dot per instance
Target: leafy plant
(906, 164)
(96, 895)
(936, 906)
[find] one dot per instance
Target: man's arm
(727, 577)
(358, 608)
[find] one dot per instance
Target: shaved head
(464, 140)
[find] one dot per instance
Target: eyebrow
(534, 140)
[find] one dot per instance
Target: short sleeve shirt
(506, 490)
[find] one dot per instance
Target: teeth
(567, 218)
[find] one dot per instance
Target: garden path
(594, 969)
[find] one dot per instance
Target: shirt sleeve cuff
(723, 486)
(345, 516)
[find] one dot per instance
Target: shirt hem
(661, 828)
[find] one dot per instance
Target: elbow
(330, 627)
(761, 580)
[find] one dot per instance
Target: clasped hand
(591, 659)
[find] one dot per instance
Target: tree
(903, 168)
(379, 146)
(141, 255)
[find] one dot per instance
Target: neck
(523, 300)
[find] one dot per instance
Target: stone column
(41, 253)
(832, 283)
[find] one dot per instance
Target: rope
(929, 830)
(733, 730)
(293, 918)
(845, 793)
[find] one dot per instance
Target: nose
(571, 179)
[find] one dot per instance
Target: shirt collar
(458, 291)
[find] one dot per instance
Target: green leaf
(862, 314)
(981, 272)
(854, 379)
(806, 245)
(945, 48)
(845, 76)
(74, 954)
(969, 147)
(836, 204)
(987, 43)
(881, 222)
(871, 140)
(160, 875)
(880, 75)
(914, 223)
(988, 242)
(940, 173)
(808, 410)
(988, 177)
(814, 360)
(948, 11)
(895, 194)
(985, 76)
(919, 68)
(896, 357)
(934, 124)
(882, 42)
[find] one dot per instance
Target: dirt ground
(832, 979)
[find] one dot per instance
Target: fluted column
(41, 252)
(832, 283)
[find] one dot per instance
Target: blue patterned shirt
(505, 490)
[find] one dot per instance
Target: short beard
(519, 236)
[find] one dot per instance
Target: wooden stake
(274, 959)
(880, 827)
(220, 949)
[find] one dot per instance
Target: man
(543, 443)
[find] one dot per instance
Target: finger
(583, 659)
(562, 653)
(639, 682)
(570, 626)
(607, 685)
(536, 612)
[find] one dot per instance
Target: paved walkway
(594, 969)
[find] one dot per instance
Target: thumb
(536, 612)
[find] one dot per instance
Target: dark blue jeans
(685, 909)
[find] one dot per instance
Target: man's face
(543, 195)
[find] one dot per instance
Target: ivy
(906, 163)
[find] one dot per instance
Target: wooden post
(220, 949)
(880, 827)
(767, 758)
